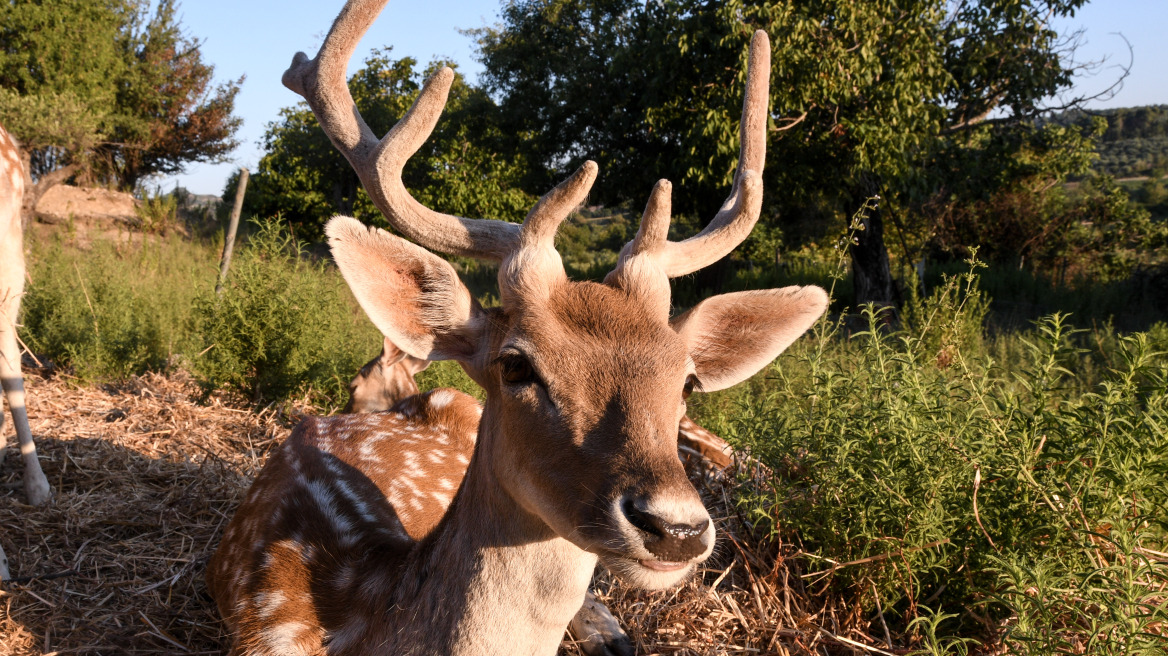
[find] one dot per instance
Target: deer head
(585, 382)
(384, 380)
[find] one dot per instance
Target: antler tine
(378, 163)
(733, 223)
(638, 266)
(542, 221)
(654, 228)
(534, 268)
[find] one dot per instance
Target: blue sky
(257, 38)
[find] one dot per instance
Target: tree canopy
(109, 90)
(904, 100)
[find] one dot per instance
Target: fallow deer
(36, 486)
(388, 379)
(576, 454)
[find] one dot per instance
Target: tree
(55, 91)
(168, 114)
(462, 169)
(108, 92)
(873, 98)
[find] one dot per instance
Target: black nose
(669, 541)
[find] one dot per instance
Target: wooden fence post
(229, 241)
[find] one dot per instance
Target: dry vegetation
(145, 479)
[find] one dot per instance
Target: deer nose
(668, 540)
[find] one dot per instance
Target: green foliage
(448, 373)
(874, 90)
(168, 114)
(1093, 231)
(461, 169)
(44, 65)
(157, 211)
(951, 319)
(970, 494)
(284, 325)
(115, 309)
(589, 242)
(130, 99)
(1135, 142)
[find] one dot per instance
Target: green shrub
(284, 325)
(157, 211)
(113, 310)
(976, 500)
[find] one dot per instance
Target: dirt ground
(145, 478)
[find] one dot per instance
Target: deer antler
(650, 254)
(378, 163)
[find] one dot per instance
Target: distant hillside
(1135, 143)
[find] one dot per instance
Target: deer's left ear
(732, 336)
(413, 296)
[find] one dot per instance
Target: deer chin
(649, 574)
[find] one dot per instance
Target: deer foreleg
(36, 486)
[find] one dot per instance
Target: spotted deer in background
(575, 456)
(36, 486)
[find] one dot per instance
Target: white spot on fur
(281, 638)
(441, 398)
(269, 602)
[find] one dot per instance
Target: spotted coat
(338, 493)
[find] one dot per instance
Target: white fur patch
(281, 638)
(269, 602)
(441, 398)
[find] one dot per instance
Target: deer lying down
(575, 456)
(388, 379)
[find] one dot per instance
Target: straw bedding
(145, 478)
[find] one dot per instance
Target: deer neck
(492, 576)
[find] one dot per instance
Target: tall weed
(113, 310)
(1009, 502)
(284, 325)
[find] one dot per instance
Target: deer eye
(516, 370)
(691, 382)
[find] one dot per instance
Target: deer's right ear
(413, 296)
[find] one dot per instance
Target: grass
(285, 325)
(117, 309)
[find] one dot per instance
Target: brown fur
(384, 380)
(369, 455)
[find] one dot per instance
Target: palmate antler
(646, 263)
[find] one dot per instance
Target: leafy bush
(1007, 504)
(114, 310)
(157, 211)
(283, 325)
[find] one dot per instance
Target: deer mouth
(648, 573)
(663, 565)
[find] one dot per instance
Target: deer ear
(732, 336)
(413, 296)
(415, 365)
(390, 353)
